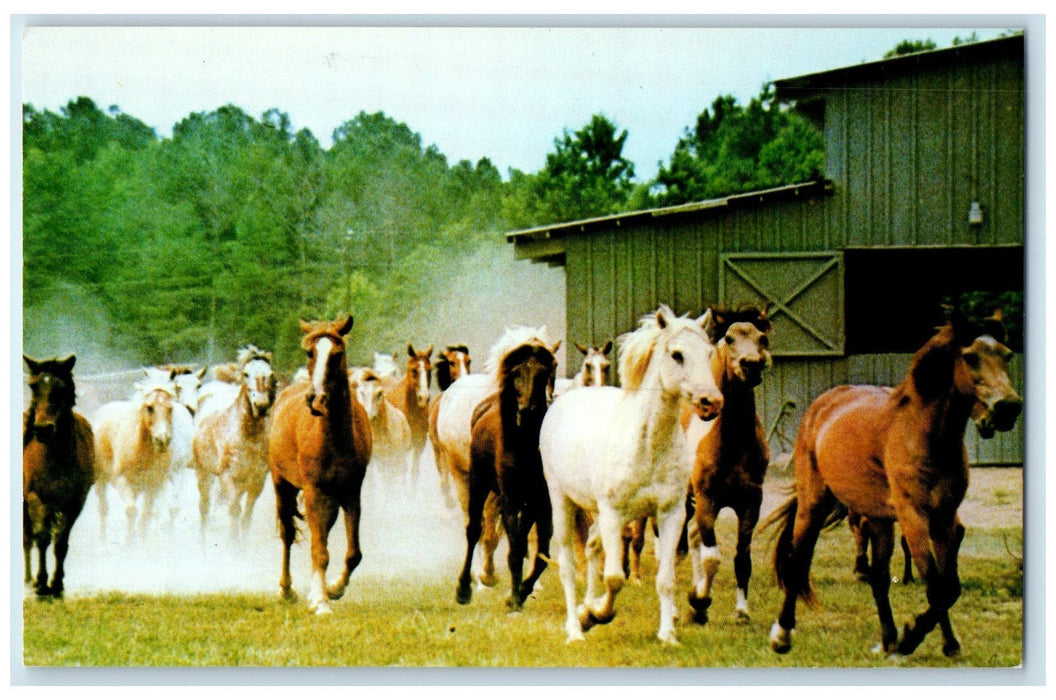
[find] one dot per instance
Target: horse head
(419, 373)
(527, 374)
(742, 337)
(369, 391)
(259, 380)
(187, 382)
(981, 369)
(595, 369)
(452, 364)
(53, 392)
(681, 351)
(155, 413)
(325, 346)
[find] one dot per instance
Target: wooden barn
(922, 198)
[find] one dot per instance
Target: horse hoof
(588, 618)
(780, 639)
(513, 605)
(323, 610)
(951, 649)
(288, 595)
(700, 608)
(741, 617)
(668, 639)
(463, 595)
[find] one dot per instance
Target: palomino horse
(505, 461)
(896, 454)
(411, 396)
(134, 449)
(730, 455)
(452, 364)
(391, 435)
(188, 382)
(319, 443)
(620, 454)
(231, 444)
(593, 372)
(57, 468)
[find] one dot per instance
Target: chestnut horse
(411, 396)
(505, 461)
(230, 445)
(620, 454)
(897, 455)
(319, 443)
(730, 455)
(57, 469)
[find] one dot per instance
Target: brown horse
(505, 461)
(57, 469)
(411, 396)
(319, 443)
(730, 455)
(897, 454)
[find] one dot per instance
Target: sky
(505, 93)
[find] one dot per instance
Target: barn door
(805, 293)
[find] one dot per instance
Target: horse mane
(511, 340)
(443, 365)
(155, 382)
(251, 352)
(931, 368)
(636, 347)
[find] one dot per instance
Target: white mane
(512, 339)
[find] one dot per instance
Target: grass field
(409, 618)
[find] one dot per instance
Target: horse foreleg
(882, 537)
(669, 522)
(286, 507)
(353, 554)
(610, 528)
(252, 494)
(747, 517)
(205, 485)
(543, 519)
(321, 513)
(513, 523)
(705, 557)
(490, 536)
(63, 526)
(104, 507)
(27, 542)
(936, 559)
(633, 544)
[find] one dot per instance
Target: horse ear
(582, 348)
(429, 350)
(707, 322)
(995, 326)
(662, 316)
(607, 348)
(201, 373)
(410, 350)
(33, 365)
(346, 325)
(305, 326)
(554, 349)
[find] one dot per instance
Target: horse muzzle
(707, 406)
(44, 430)
(999, 417)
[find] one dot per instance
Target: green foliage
(734, 149)
(908, 46)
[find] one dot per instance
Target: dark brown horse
(320, 443)
(504, 460)
(730, 455)
(411, 396)
(897, 455)
(58, 463)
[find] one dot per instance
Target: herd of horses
(587, 463)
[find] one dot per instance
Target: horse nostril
(1005, 413)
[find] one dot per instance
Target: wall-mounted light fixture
(975, 214)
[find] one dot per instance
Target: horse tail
(791, 575)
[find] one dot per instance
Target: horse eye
(150, 409)
(677, 357)
(972, 360)
(728, 339)
(764, 341)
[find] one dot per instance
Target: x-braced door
(805, 293)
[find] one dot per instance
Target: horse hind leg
(490, 537)
(882, 539)
(286, 507)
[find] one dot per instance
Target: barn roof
(806, 88)
(546, 243)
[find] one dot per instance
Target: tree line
(187, 247)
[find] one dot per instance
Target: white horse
(137, 444)
(231, 443)
(620, 454)
(593, 372)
